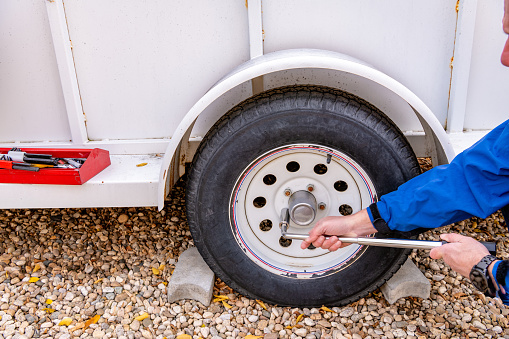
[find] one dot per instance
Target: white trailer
(147, 80)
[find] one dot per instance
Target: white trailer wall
(141, 65)
(31, 102)
(412, 41)
(488, 88)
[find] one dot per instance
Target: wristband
(378, 222)
(480, 277)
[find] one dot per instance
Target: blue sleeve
(475, 183)
(503, 296)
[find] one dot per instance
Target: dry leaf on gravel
(142, 316)
(326, 309)
(261, 304)
(92, 320)
(65, 322)
(225, 304)
(219, 298)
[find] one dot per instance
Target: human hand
(461, 253)
(354, 225)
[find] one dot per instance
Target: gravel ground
(102, 273)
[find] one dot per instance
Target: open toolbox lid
(96, 160)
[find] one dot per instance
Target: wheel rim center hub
(302, 206)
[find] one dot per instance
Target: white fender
(437, 141)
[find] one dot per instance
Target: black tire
(294, 115)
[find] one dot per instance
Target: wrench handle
(491, 246)
(398, 243)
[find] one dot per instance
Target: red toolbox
(96, 160)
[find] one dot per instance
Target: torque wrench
(398, 243)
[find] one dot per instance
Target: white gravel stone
(301, 332)
(98, 334)
(205, 332)
(146, 334)
(135, 325)
(226, 316)
(346, 312)
(479, 325)
(83, 290)
(466, 318)
(309, 322)
(10, 329)
(29, 331)
(69, 296)
(252, 318)
(434, 266)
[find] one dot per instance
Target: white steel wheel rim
(259, 195)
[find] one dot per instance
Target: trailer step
(130, 181)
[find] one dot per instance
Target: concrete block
(407, 282)
(191, 279)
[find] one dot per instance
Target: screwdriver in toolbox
(6, 164)
(17, 155)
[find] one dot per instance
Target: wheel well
(317, 67)
(392, 106)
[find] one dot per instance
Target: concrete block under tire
(407, 282)
(192, 279)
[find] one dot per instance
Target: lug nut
(288, 192)
(311, 188)
(321, 206)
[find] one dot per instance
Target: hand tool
(398, 243)
(17, 155)
(43, 160)
(6, 164)
(20, 156)
(76, 163)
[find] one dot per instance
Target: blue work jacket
(475, 183)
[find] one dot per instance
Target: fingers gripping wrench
(398, 243)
